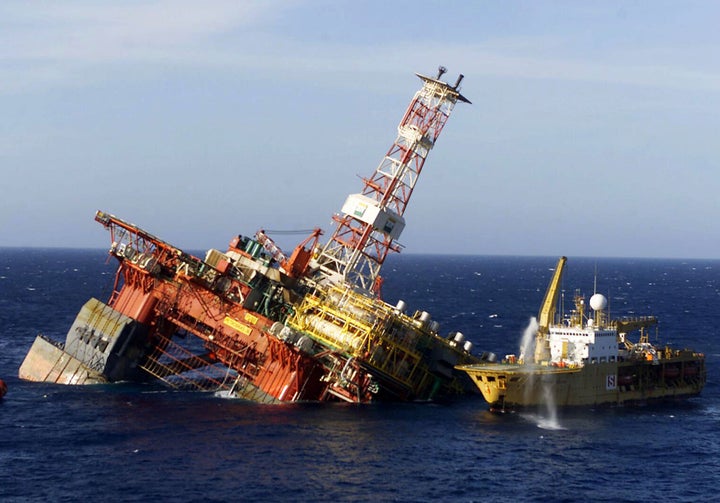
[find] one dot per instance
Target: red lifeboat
(3, 388)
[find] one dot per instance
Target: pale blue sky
(593, 130)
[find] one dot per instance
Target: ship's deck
(515, 368)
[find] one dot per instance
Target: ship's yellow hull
(508, 386)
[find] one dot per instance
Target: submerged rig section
(256, 323)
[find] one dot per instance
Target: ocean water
(129, 442)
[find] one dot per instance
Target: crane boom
(546, 316)
(549, 305)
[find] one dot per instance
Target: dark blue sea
(145, 443)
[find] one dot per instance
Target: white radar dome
(598, 302)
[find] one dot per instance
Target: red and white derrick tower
(372, 221)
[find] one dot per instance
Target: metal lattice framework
(371, 221)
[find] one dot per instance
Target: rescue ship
(256, 323)
(587, 359)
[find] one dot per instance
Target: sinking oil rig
(256, 323)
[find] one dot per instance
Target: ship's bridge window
(602, 359)
(612, 358)
(593, 360)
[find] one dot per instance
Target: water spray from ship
(548, 420)
(527, 343)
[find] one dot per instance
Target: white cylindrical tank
(467, 346)
(401, 306)
(459, 337)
